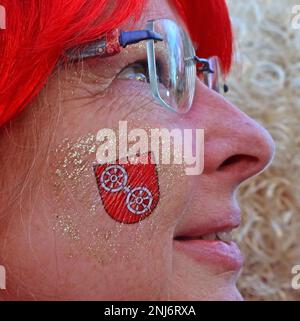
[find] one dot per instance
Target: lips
(211, 243)
(224, 236)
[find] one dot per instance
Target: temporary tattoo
(129, 192)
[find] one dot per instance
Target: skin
(55, 247)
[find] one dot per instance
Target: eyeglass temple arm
(207, 68)
(131, 37)
(205, 65)
(111, 44)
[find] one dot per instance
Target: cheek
(91, 201)
(89, 205)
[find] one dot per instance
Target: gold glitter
(58, 172)
(65, 225)
(73, 175)
(71, 159)
(93, 209)
(107, 235)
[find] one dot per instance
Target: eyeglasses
(172, 62)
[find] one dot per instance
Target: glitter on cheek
(76, 205)
(79, 214)
(65, 225)
(77, 210)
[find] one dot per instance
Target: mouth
(223, 236)
(211, 246)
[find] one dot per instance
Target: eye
(136, 71)
(139, 71)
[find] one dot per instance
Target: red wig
(38, 31)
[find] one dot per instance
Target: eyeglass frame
(114, 41)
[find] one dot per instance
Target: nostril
(240, 161)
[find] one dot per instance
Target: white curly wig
(265, 83)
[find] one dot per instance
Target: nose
(235, 145)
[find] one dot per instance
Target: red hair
(38, 31)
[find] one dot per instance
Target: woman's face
(57, 239)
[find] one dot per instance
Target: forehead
(157, 9)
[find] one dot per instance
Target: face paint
(129, 192)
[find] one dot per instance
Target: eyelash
(140, 75)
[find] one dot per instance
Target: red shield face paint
(129, 192)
